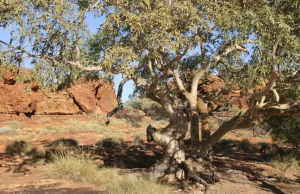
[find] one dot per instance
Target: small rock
(170, 177)
(180, 174)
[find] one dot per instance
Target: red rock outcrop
(29, 99)
(106, 98)
(14, 99)
(84, 97)
(94, 96)
(54, 104)
(216, 84)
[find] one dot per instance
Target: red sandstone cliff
(83, 97)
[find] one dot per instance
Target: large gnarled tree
(166, 47)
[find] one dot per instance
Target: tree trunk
(205, 128)
(170, 139)
(195, 137)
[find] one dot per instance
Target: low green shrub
(152, 109)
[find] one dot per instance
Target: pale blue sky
(93, 24)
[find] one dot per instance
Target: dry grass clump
(7, 130)
(14, 124)
(137, 142)
(12, 128)
(64, 142)
(286, 164)
(285, 159)
(75, 125)
(112, 140)
(50, 130)
(138, 134)
(73, 168)
(133, 183)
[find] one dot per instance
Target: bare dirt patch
(239, 172)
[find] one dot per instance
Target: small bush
(72, 168)
(128, 114)
(132, 183)
(21, 148)
(226, 145)
(246, 146)
(285, 129)
(110, 142)
(64, 142)
(151, 108)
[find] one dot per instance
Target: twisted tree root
(193, 177)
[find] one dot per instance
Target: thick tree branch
(258, 95)
(180, 84)
(238, 122)
(167, 68)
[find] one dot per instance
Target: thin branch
(94, 5)
(286, 106)
(119, 99)
(151, 69)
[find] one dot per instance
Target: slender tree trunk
(205, 128)
(195, 136)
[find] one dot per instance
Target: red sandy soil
(238, 172)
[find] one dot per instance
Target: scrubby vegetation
(286, 130)
(73, 168)
(74, 125)
(133, 117)
(152, 109)
(22, 148)
(134, 183)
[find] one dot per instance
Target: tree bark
(195, 137)
(170, 139)
(205, 128)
